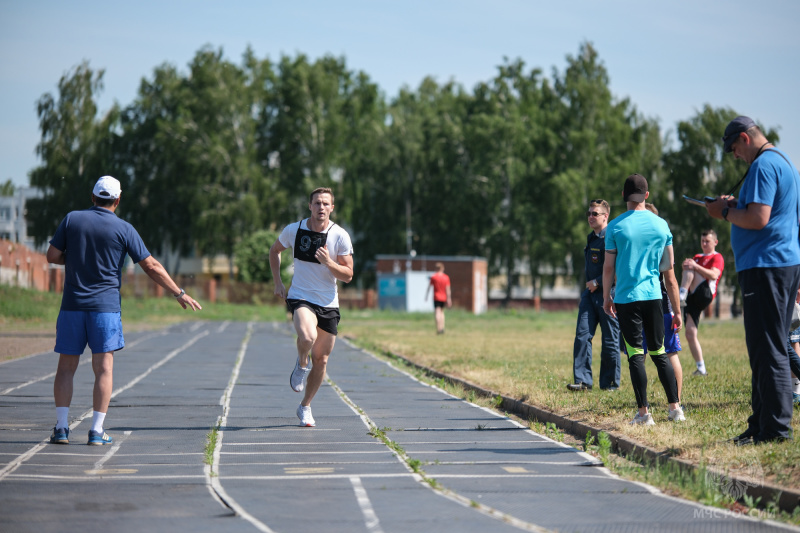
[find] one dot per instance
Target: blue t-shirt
(639, 237)
(771, 181)
(95, 242)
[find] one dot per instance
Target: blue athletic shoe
(60, 436)
(795, 399)
(99, 439)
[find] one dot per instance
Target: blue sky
(669, 58)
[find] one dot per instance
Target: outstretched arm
(159, 274)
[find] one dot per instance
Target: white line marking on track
(114, 449)
(13, 465)
(445, 493)
(370, 518)
(212, 471)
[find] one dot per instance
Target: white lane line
(85, 361)
(212, 471)
(13, 465)
(445, 493)
(114, 449)
(223, 326)
(333, 443)
(294, 452)
(370, 518)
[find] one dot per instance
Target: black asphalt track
(444, 465)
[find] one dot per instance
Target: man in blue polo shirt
(764, 236)
(92, 245)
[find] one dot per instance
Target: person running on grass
(323, 254)
(698, 289)
(92, 245)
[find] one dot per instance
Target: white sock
(97, 421)
(796, 386)
(701, 366)
(62, 417)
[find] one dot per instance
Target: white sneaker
(646, 420)
(304, 414)
(297, 380)
(698, 372)
(683, 294)
(676, 415)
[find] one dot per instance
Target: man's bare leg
(319, 356)
(103, 366)
(65, 373)
(305, 324)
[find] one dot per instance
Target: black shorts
(437, 303)
(697, 302)
(327, 317)
(640, 320)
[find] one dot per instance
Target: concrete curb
(788, 499)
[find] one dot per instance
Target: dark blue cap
(734, 128)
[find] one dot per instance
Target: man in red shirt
(698, 289)
(441, 295)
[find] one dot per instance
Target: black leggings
(666, 375)
(646, 319)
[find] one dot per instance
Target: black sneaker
(60, 436)
(578, 386)
(747, 435)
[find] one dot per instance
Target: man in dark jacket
(590, 311)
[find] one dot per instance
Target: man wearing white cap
(92, 245)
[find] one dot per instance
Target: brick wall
(22, 267)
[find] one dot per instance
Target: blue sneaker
(99, 439)
(795, 399)
(60, 436)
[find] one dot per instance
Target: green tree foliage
(76, 148)
(216, 159)
(252, 258)
(698, 167)
(7, 188)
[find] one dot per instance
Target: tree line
(209, 157)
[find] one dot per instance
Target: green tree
(601, 140)
(698, 167)
(7, 188)
(76, 148)
(252, 258)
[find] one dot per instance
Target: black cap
(635, 188)
(734, 128)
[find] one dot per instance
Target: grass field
(526, 355)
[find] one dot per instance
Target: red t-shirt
(710, 261)
(440, 281)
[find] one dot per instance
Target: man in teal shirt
(636, 242)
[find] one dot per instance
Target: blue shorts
(101, 331)
(672, 340)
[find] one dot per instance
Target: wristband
(725, 213)
(180, 294)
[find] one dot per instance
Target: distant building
(13, 226)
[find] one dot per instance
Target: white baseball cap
(107, 188)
